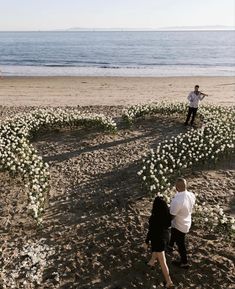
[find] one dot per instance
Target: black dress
(159, 223)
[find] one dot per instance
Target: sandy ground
(97, 215)
(61, 91)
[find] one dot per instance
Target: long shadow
(99, 195)
(123, 187)
(123, 259)
(68, 214)
(115, 188)
(152, 126)
(65, 156)
(80, 223)
(94, 217)
(110, 189)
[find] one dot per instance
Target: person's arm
(149, 234)
(174, 208)
(203, 95)
(147, 238)
(149, 231)
(190, 96)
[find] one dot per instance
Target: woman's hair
(159, 205)
(160, 210)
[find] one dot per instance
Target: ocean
(165, 53)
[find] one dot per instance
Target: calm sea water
(118, 53)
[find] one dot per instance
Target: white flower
(152, 188)
(21, 157)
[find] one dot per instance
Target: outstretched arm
(202, 95)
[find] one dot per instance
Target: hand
(145, 246)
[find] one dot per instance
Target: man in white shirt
(194, 98)
(181, 209)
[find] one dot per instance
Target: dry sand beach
(73, 91)
(97, 213)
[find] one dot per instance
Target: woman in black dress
(158, 235)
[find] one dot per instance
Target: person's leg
(165, 271)
(188, 115)
(180, 241)
(153, 259)
(172, 239)
(194, 112)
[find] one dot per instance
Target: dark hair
(197, 86)
(161, 211)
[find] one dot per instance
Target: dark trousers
(179, 238)
(191, 111)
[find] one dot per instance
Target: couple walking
(179, 218)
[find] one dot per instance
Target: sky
(63, 14)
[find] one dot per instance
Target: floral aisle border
(172, 157)
(20, 158)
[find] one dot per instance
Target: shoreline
(110, 90)
(118, 71)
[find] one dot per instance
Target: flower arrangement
(172, 157)
(137, 111)
(213, 217)
(20, 158)
(161, 166)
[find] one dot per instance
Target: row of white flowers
(175, 155)
(136, 111)
(20, 158)
(213, 217)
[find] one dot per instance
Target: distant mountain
(173, 28)
(108, 29)
(212, 27)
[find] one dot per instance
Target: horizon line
(137, 29)
(118, 30)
